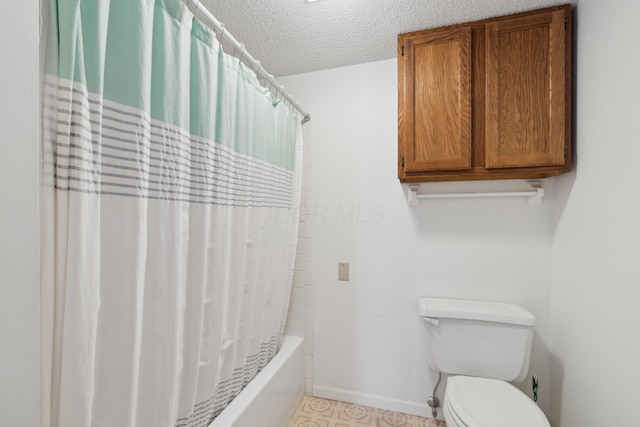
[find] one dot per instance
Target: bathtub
(273, 395)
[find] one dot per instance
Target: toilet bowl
(483, 346)
(486, 402)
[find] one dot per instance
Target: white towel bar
(534, 194)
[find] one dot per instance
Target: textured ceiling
(294, 36)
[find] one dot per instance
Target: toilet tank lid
(489, 311)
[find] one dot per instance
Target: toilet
(482, 346)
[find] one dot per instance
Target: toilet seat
(485, 402)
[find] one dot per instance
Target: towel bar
(534, 194)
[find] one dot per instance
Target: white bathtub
(273, 395)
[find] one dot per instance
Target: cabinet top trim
(483, 22)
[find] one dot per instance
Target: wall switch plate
(343, 271)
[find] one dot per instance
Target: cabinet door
(525, 91)
(436, 102)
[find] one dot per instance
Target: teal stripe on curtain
(144, 54)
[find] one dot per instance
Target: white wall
(596, 244)
(19, 181)
(368, 345)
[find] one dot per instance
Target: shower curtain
(170, 204)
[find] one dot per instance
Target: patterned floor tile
(317, 412)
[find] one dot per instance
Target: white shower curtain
(170, 202)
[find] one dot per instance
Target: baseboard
(390, 404)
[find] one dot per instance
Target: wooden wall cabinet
(486, 100)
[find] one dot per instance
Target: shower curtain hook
(257, 70)
(242, 51)
(284, 98)
(270, 82)
(195, 7)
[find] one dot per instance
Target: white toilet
(481, 345)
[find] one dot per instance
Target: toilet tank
(478, 338)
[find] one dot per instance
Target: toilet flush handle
(432, 320)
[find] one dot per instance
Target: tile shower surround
(299, 317)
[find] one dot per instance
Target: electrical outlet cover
(343, 271)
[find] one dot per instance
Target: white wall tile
(308, 175)
(309, 226)
(308, 345)
(303, 211)
(309, 250)
(295, 327)
(299, 278)
(299, 295)
(301, 246)
(308, 154)
(308, 199)
(308, 366)
(309, 316)
(309, 272)
(296, 312)
(309, 298)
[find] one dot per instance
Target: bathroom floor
(317, 412)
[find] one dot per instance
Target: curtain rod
(205, 16)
